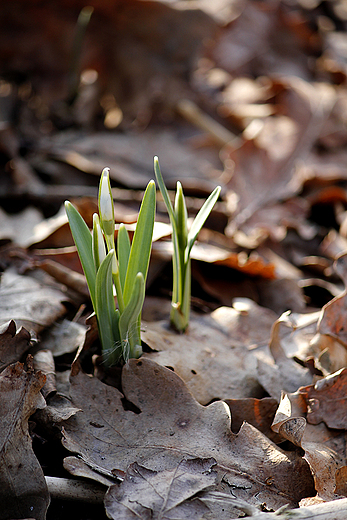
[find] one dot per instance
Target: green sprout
(124, 269)
(183, 241)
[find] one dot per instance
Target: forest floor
(246, 412)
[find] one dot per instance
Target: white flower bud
(106, 207)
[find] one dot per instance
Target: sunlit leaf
(172, 216)
(83, 240)
(164, 192)
(200, 218)
(123, 252)
(99, 249)
(142, 241)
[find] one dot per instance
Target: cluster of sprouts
(123, 269)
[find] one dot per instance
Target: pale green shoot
(183, 241)
(119, 328)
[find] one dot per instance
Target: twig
(334, 510)
(71, 489)
(221, 135)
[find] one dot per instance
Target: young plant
(183, 241)
(126, 270)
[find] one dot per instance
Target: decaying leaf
(283, 374)
(23, 490)
(29, 303)
(13, 343)
(215, 356)
(257, 412)
(64, 338)
(91, 153)
(334, 314)
(327, 400)
(20, 227)
(307, 108)
(324, 451)
(167, 426)
(170, 494)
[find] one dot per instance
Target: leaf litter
(248, 408)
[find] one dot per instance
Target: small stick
(80, 490)
(334, 510)
(221, 135)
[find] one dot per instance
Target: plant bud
(106, 207)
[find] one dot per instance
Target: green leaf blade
(123, 253)
(83, 240)
(164, 192)
(142, 241)
(181, 218)
(128, 321)
(200, 219)
(105, 309)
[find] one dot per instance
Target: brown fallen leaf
(167, 426)
(13, 343)
(257, 412)
(307, 107)
(28, 302)
(178, 159)
(334, 314)
(341, 481)
(253, 264)
(44, 362)
(64, 337)
(273, 221)
(162, 495)
(215, 357)
(327, 400)
(324, 449)
(19, 228)
(284, 373)
(23, 490)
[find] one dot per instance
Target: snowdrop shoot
(183, 241)
(126, 270)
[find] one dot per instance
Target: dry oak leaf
(257, 412)
(13, 344)
(215, 356)
(327, 400)
(324, 450)
(23, 489)
(169, 426)
(283, 374)
(170, 494)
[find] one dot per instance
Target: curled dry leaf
(214, 357)
(334, 314)
(327, 400)
(43, 361)
(23, 490)
(284, 374)
(324, 450)
(167, 426)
